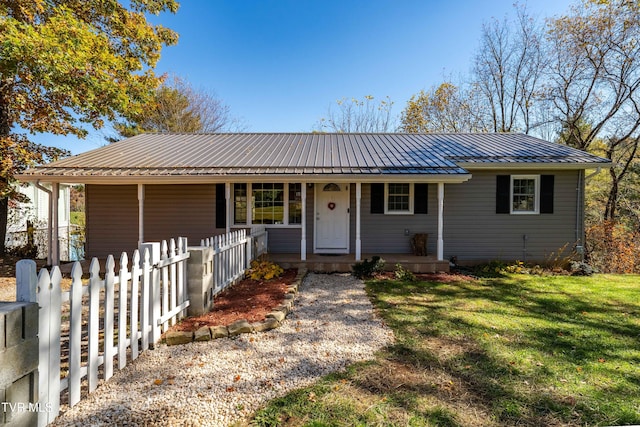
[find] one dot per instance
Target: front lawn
(512, 350)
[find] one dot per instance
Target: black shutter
(377, 198)
(221, 206)
(421, 198)
(546, 194)
(503, 193)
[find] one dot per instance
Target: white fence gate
(233, 253)
(99, 326)
(259, 240)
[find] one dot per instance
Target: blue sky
(280, 64)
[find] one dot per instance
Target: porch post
(227, 196)
(440, 221)
(55, 253)
(303, 232)
(140, 214)
(358, 241)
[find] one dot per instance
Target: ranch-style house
(477, 197)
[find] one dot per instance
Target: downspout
(49, 219)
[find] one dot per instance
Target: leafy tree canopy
(445, 108)
(68, 64)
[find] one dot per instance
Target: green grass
(512, 350)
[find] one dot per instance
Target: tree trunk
(5, 133)
(4, 214)
(612, 200)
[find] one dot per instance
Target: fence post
(75, 335)
(172, 280)
(180, 272)
(94, 324)
(123, 290)
(49, 300)
(154, 290)
(164, 249)
(135, 303)
(249, 249)
(109, 299)
(26, 280)
(26, 287)
(145, 304)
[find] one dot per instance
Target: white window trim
(536, 198)
(386, 200)
(249, 223)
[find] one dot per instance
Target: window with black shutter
(524, 194)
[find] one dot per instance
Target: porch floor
(343, 263)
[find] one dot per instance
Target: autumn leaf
(236, 378)
(231, 389)
(65, 65)
(312, 397)
(158, 381)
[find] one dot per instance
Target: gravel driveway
(218, 382)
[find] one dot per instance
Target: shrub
(264, 270)
(613, 248)
(366, 268)
(496, 268)
(403, 274)
(28, 251)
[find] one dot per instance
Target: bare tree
(179, 107)
(354, 115)
(508, 70)
(595, 80)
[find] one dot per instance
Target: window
(268, 203)
(295, 203)
(524, 193)
(398, 198)
(240, 203)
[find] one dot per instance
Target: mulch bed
(249, 299)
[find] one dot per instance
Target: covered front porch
(342, 263)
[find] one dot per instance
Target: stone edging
(272, 320)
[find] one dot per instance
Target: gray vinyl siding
(284, 240)
(380, 233)
(172, 211)
(473, 232)
(112, 220)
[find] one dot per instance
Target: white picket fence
(151, 296)
(233, 253)
(260, 240)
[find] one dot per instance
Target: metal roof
(282, 154)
